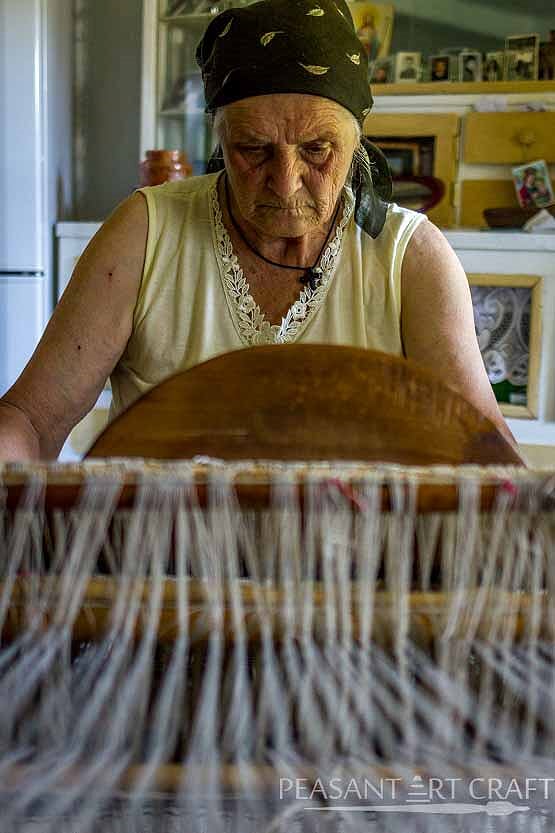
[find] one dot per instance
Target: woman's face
(440, 68)
(529, 180)
(287, 157)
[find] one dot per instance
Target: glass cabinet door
(181, 122)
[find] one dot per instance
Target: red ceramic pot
(164, 165)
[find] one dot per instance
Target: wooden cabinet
(484, 145)
(508, 138)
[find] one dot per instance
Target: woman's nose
(285, 172)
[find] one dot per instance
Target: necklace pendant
(311, 277)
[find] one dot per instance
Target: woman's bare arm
(438, 321)
(82, 342)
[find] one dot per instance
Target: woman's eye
(316, 151)
(252, 149)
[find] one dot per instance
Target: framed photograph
(522, 57)
(439, 67)
(533, 184)
(547, 58)
(507, 317)
(380, 71)
(494, 66)
(453, 53)
(407, 66)
(403, 157)
(470, 66)
(374, 27)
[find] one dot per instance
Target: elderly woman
(289, 239)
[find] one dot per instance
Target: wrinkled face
(287, 157)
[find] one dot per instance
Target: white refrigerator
(35, 167)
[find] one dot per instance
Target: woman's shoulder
(397, 214)
(180, 201)
(181, 189)
(399, 223)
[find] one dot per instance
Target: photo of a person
(439, 67)
(380, 71)
(407, 66)
(522, 57)
(533, 185)
(522, 68)
(470, 66)
(494, 66)
(526, 191)
(409, 69)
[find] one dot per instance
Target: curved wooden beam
(306, 402)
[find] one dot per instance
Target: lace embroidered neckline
(251, 323)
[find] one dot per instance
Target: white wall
(430, 25)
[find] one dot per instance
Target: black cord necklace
(311, 274)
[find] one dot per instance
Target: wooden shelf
(461, 88)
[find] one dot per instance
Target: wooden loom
(312, 404)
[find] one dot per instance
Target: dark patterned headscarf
(297, 46)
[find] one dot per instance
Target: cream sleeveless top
(194, 302)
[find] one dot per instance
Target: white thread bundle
(172, 665)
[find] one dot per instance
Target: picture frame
(374, 27)
(547, 59)
(381, 71)
(494, 66)
(508, 321)
(522, 53)
(403, 157)
(453, 53)
(407, 67)
(470, 66)
(439, 67)
(533, 184)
